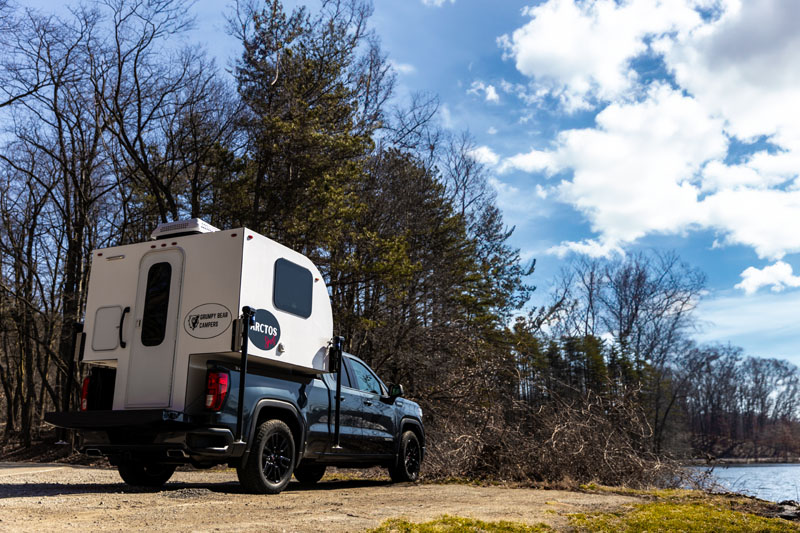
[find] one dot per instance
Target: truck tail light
(216, 390)
(85, 393)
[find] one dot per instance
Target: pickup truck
(288, 427)
(177, 376)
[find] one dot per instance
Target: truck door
(152, 354)
(378, 418)
(350, 420)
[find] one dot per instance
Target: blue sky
(611, 126)
(614, 126)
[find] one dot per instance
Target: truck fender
(290, 411)
(406, 423)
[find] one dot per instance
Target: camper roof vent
(192, 226)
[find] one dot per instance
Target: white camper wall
(209, 285)
(209, 304)
(291, 341)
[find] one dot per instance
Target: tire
(309, 474)
(408, 459)
(270, 463)
(140, 474)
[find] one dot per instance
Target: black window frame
(279, 266)
(155, 314)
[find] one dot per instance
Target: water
(774, 482)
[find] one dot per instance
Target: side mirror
(395, 391)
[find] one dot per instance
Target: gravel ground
(36, 497)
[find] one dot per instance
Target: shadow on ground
(170, 490)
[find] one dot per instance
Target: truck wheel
(408, 460)
(139, 474)
(309, 474)
(269, 466)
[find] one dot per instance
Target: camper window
(293, 288)
(156, 304)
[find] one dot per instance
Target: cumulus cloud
(485, 155)
(581, 50)
(489, 92)
(743, 66)
(661, 155)
(533, 161)
(590, 247)
(777, 276)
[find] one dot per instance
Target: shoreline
(728, 461)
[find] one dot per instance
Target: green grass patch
(457, 524)
(684, 516)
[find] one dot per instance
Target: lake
(775, 482)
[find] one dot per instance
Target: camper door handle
(122, 321)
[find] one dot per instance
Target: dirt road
(69, 498)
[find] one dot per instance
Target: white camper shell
(158, 310)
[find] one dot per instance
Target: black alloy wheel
(409, 459)
(276, 458)
(269, 465)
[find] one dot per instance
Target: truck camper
(207, 346)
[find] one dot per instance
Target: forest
(114, 122)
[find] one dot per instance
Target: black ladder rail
(336, 349)
(247, 317)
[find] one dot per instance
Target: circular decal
(266, 331)
(207, 321)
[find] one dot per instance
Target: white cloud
(485, 155)
(533, 161)
(492, 130)
(402, 68)
(491, 94)
(631, 174)
(744, 66)
(589, 247)
(488, 91)
(437, 3)
(777, 276)
(764, 220)
(657, 159)
(580, 50)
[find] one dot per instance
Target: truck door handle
(342, 398)
(367, 402)
(122, 343)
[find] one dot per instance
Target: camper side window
(156, 304)
(293, 288)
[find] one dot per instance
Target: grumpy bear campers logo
(207, 321)
(265, 332)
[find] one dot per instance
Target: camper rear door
(152, 356)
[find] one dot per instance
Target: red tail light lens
(216, 390)
(85, 394)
